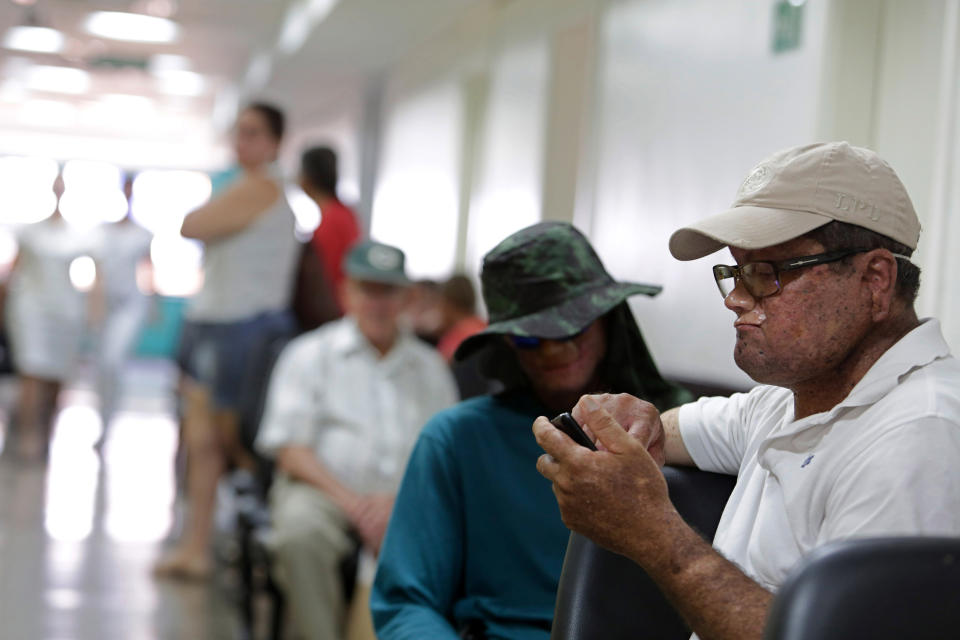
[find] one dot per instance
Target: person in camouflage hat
(559, 327)
(547, 282)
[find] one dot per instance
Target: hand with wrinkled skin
(640, 419)
(614, 495)
(617, 496)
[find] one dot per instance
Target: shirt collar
(916, 349)
(349, 340)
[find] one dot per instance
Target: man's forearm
(302, 464)
(675, 451)
(713, 595)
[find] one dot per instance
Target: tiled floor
(78, 536)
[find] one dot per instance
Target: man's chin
(760, 373)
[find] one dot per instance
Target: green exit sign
(787, 25)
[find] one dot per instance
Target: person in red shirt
(339, 229)
(460, 320)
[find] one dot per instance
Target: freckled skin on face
(811, 327)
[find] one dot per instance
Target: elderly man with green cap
(476, 543)
(345, 405)
(853, 432)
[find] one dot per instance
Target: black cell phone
(569, 426)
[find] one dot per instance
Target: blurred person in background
(459, 321)
(46, 317)
(249, 258)
(422, 312)
(345, 405)
(458, 311)
(338, 230)
(317, 296)
(122, 252)
(476, 543)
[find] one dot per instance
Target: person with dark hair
(476, 543)
(339, 229)
(458, 308)
(249, 257)
(273, 118)
(853, 432)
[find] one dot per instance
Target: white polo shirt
(885, 461)
(361, 414)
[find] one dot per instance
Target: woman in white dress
(46, 317)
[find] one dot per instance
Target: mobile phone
(569, 426)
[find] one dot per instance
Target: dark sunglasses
(531, 342)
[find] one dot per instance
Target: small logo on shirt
(807, 461)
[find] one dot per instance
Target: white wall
(915, 128)
(416, 200)
(690, 98)
(507, 194)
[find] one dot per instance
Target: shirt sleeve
(419, 570)
(290, 411)
(903, 483)
(715, 431)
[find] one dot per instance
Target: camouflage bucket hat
(546, 281)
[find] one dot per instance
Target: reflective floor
(78, 536)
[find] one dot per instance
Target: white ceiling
(357, 39)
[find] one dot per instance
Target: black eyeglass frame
(723, 271)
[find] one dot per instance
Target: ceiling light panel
(35, 39)
(131, 27)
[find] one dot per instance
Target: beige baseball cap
(797, 190)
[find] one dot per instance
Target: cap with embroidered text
(799, 189)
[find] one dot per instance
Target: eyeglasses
(762, 279)
(531, 342)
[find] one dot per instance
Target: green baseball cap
(373, 261)
(546, 281)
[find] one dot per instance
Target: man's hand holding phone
(638, 418)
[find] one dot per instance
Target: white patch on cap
(756, 180)
(383, 258)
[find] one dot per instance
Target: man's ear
(880, 277)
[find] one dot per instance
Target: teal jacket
(476, 532)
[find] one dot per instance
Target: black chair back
(882, 589)
(605, 596)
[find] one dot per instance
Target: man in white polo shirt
(854, 431)
(344, 409)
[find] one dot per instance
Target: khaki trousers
(360, 622)
(310, 541)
